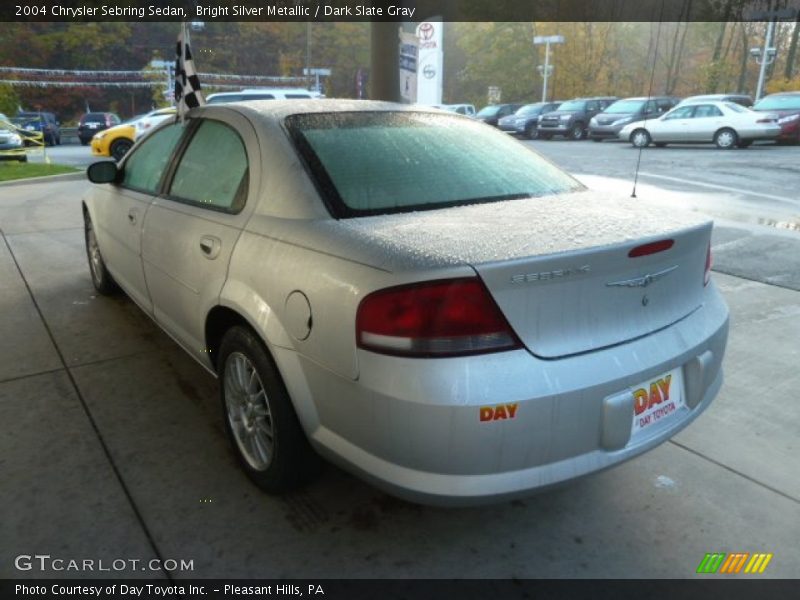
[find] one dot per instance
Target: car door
(706, 120)
(119, 214)
(673, 126)
(192, 227)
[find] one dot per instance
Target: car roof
(715, 96)
(279, 109)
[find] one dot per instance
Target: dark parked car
(95, 122)
(45, 122)
(571, 119)
(608, 124)
(526, 120)
(787, 106)
(494, 112)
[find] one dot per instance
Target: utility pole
(546, 70)
(765, 58)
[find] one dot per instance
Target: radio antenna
(649, 95)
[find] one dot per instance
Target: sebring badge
(550, 275)
(642, 281)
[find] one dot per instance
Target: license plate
(92, 125)
(656, 400)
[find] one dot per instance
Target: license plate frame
(657, 400)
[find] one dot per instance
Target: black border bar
(711, 587)
(399, 10)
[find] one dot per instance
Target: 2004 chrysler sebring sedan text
(410, 294)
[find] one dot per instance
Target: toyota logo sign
(426, 31)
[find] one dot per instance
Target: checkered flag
(187, 85)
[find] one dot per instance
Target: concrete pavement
(112, 446)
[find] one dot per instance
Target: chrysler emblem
(642, 281)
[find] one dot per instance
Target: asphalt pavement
(113, 446)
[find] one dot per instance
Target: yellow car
(114, 141)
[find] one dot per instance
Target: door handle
(210, 246)
(133, 216)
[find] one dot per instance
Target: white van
(262, 94)
(461, 109)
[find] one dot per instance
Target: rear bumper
(414, 427)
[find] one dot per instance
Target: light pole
(546, 70)
(764, 58)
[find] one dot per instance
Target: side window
(213, 170)
(707, 110)
(685, 112)
(144, 167)
(592, 106)
(651, 107)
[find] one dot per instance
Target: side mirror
(104, 171)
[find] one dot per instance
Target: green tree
(9, 101)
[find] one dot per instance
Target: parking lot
(113, 444)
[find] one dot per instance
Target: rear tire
(531, 132)
(259, 417)
(726, 139)
(101, 279)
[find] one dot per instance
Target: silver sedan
(725, 124)
(411, 295)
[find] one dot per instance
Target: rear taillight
(449, 317)
(709, 262)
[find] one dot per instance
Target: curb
(45, 179)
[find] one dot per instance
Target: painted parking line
(714, 186)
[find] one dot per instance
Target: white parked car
(726, 124)
(417, 297)
(155, 117)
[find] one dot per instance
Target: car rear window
(367, 163)
(94, 118)
(779, 103)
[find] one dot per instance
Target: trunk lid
(588, 299)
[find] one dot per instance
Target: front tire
(120, 148)
(640, 138)
(259, 417)
(101, 278)
(577, 132)
(532, 132)
(725, 139)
